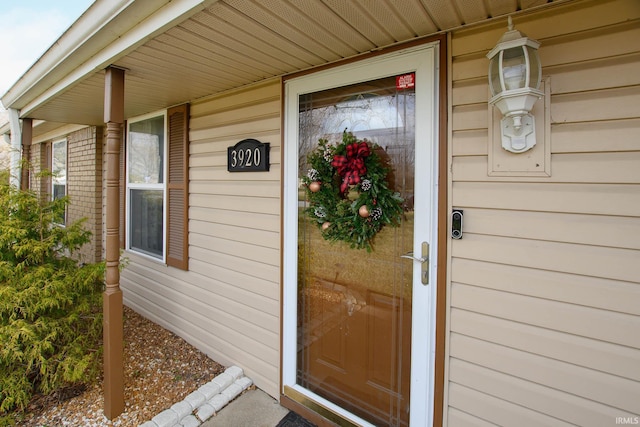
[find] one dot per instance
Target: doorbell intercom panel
(456, 224)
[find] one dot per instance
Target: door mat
(294, 420)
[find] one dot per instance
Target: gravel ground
(160, 369)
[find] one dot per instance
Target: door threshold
(315, 412)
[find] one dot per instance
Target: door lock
(424, 262)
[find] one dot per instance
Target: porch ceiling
(231, 43)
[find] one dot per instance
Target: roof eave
(105, 32)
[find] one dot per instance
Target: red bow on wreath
(351, 166)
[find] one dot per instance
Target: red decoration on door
(406, 81)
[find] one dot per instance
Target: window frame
(147, 186)
(52, 182)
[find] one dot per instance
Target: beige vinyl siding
(228, 303)
(544, 297)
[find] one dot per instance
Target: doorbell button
(456, 224)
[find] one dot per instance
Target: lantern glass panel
(494, 75)
(514, 68)
(534, 66)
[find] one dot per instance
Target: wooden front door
(355, 326)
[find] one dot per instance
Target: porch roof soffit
(106, 31)
(176, 51)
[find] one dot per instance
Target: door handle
(409, 255)
(424, 262)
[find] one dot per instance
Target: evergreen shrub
(50, 304)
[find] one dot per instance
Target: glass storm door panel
(354, 315)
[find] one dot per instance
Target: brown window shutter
(47, 165)
(178, 187)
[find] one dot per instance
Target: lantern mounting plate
(518, 133)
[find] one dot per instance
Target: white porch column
(16, 147)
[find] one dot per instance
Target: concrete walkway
(253, 408)
(228, 400)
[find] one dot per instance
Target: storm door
(362, 257)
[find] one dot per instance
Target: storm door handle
(409, 255)
(424, 261)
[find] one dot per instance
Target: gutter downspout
(16, 147)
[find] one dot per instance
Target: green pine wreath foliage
(348, 191)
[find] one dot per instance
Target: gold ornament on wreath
(348, 190)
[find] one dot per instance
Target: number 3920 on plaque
(248, 155)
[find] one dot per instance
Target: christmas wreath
(348, 190)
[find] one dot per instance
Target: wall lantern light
(515, 74)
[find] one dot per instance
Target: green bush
(50, 305)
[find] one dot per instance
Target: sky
(27, 29)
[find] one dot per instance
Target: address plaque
(248, 155)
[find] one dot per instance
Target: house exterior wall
(84, 182)
(84, 187)
(543, 313)
(37, 164)
(228, 303)
(542, 294)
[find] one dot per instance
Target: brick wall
(38, 163)
(84, 186)
(84, 183)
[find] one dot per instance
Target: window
(157, 187)
(145, 181)
(59, 174)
